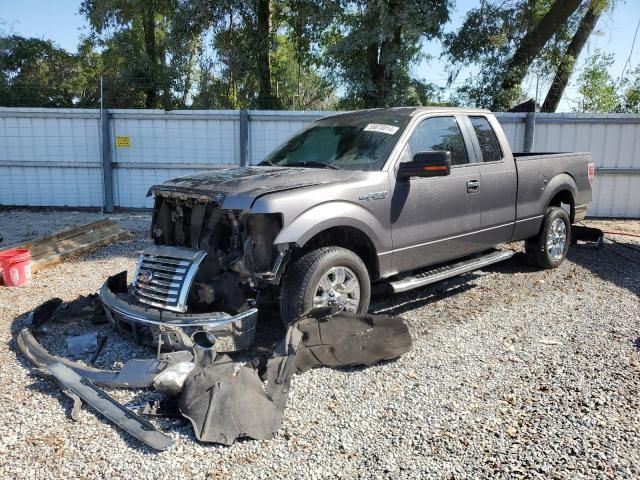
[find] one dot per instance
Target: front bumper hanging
(174, 331)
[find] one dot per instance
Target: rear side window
(489, 145)
(439, 133)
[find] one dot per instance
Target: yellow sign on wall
(123, 142)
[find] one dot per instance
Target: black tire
(538, 249)
(303, 277)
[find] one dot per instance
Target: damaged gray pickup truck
(406, 196)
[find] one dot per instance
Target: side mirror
(426, 164)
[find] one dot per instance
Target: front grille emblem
(145, 275)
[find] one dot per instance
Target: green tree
(133, 37)
(504, 40)
(37, 73)
(371, 46)
(596, 87)
(630, 101)
(298, 84)
(570, 57)
(530, 46)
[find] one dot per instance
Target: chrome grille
(163, 276)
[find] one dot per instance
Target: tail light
(591, 172)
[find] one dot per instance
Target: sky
(58, 20)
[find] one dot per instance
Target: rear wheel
(326, 277)
(549, 248)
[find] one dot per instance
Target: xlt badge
(374, 196)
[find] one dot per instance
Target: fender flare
(328, 215)
(560, 182)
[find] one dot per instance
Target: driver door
(434, 219)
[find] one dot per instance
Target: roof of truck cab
(406, 111)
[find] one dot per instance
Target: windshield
(349, 142)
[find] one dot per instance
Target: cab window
(439, 133)
(489, 145)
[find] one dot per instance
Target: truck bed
(549, 172)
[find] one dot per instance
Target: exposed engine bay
(204, 273)
(239, 247)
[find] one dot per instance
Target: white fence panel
(165, 145)
(513, 126)
(177, 137)
(50, 157)
(132, 184)
(613, 143)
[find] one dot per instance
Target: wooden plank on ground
(69, 243)
(42, 262)
(64, 234)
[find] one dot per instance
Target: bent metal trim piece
(107, 406)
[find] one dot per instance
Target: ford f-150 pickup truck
(406, 196)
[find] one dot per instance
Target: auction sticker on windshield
(379, 127)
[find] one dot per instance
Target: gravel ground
(514, 373)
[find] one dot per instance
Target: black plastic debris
(80, 345)
(594, 236)
(76, 386)
(342, 339)
(227, 400)
(225, 397)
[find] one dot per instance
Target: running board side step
(441, 273)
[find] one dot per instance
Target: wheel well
(565, 197)
(350, 238)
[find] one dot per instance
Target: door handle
(473, 186)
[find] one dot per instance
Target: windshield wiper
(312, 163)
(267, 162)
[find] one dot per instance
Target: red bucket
(16, 267)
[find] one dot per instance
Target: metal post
(529, 131)
(105, 156)
(244, 138)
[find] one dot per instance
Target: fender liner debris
(341, 339)
(226, 400)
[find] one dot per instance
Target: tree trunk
(149, 28)
(530, 46)
(263, 48)
(193, 50)
(381, 57)
(565, 69)
(376, 75)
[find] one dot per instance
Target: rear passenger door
(498, 182)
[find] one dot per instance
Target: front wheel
(325, 277)
(549, 248)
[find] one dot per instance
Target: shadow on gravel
(618, 263)
(636, 343)
(385, 301)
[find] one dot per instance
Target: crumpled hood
(249, 183)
